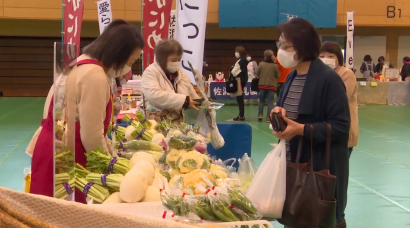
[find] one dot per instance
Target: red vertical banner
(155, 24)
(73, 18)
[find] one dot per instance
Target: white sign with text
(104, 14)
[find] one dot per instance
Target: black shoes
(238, 118)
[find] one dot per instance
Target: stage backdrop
(264, 13)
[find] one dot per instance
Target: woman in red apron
(89, 101)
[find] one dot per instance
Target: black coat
(323, 100)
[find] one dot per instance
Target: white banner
(104, 14)
(172, 24)
(349, 41)
(191, 25)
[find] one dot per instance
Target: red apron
(42, 162)
(79, 148)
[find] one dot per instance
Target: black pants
(240, 99)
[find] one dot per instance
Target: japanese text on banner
(350, 41)
(155, 26)
(172, 24)
(191, 18)
(104, 14)
(73, 18)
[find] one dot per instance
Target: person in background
(405, 70)
(240, 70)
(205, 64)
(381, 62)
(252, 68)
(367, 68)
(166, 87)
(268, 74)
(312, 97)
(331, 54)
(284, 72)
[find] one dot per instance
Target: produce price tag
(363, 83)
(373, 84)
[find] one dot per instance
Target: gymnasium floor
(379, 188)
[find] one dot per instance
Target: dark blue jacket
(323, 100)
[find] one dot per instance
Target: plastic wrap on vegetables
(138, 145)
(181, 142)
(192, 160)
(240, 201)
(193, 179)
(173, 200)
(246, 171)
(173, 156)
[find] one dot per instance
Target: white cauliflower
(191, 161)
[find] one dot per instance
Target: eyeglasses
(280, 46)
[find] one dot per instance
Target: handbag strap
(328, 144)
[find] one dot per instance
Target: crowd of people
(368, 69)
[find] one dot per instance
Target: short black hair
(304, 37)
(367, 58)
(406, 59)
(165, 48)
(381, 58)
(115, 45)
(334, 48)
(241, 50)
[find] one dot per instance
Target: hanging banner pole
(104, 14)
(350, 41)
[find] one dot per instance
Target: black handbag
(255, 85)
(231, 84)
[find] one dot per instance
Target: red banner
(155, 24)
(73, 18)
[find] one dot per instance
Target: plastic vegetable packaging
(246, 170)
(138, 145)
(192, 160)
(182, 142)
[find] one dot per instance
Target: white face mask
(237, 55)
(330, 62)
(173, 67)
(248, 58)
(286, 59)
(125, 69)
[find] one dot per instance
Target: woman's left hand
(293, 129)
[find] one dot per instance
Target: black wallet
(277, 121)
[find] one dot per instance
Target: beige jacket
(87, 94)
(349, 79)
(159, 92)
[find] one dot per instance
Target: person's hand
(193, 104)
(277, 109)
(293, 128)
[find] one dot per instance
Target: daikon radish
(152, 194)
(153, 123)
(158, 137)
(142, 156)
(133, 186)
(114, 198)
(128, 132)
(147, 169)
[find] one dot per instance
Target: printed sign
(73, 18)
(217, 91)
(104, 14)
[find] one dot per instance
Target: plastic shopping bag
(246, 171)
(268, 188)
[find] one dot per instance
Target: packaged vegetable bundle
(192, 160)
(141, 118)
(111, 181)
(99, 162)
(64, 185)
(80, 171)
(194, 181)
(96, 192)
(181, 142)
(246, 171)
(118, 130)
(138, 145)
(173, 200)
(140, 132)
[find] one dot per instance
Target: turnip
(142, 156)
(146, 168)
(114, 198)
(133, 186)
(152, 194)
(128, 132)
(158, 137)
(153, 123)
(200, 147)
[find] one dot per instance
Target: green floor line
(18, 109)
(383, 121)
(380, 194)
(375, 154)
(9, 154)
(383, 136)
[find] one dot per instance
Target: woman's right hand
(193, 104)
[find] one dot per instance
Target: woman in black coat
(240, 70)
(313, 95)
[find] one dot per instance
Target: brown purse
(310, 201)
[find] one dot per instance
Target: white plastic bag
(246, 171)
(268, 188)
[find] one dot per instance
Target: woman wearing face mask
(89, 94)
(165, 85)
(240, 70)
(331, 54)
(313, 95)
